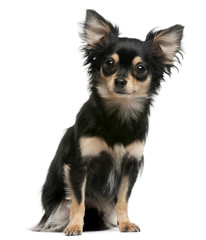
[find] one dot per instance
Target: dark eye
(140, 70)
(109, 65)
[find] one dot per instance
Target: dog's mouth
(111, 93)
(122, 92)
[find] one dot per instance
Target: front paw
(73, 230)
(128, 227)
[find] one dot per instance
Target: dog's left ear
(166, 43)
(97, 31)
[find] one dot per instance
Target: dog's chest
(95, 146)
(104, 164)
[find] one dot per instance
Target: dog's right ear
(97, 31)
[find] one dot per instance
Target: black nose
(120, 83)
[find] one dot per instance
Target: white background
(42, 86)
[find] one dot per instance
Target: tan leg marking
(136, 149)
(124, 223)
(75, 226)
(91, 146)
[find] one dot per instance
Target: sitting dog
(98, 160)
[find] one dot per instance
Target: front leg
(130, 169)
(123, 221)
(77, 195)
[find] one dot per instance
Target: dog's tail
(41, 224)
(57, 221)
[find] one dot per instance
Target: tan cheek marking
(144, 86)
(105, 78)
(107, 85)
(141, 88)
(109, 80)
(92, 146)
(136, 149)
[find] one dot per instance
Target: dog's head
(126, 67)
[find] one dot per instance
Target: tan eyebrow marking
(115, 56)
(136, 60)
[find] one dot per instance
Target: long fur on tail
(94, 219)
(57, 221)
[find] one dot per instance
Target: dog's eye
(140, 70)
(109, 65)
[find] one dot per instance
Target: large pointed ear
(166, 43)
(97, 31)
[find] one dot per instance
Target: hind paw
(73, 230)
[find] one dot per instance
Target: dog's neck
(124, 108)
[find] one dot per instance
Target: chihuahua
(98, 160)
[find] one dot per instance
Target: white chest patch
(93, 146)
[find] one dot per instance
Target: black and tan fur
(98, 160)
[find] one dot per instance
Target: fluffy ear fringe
(97, 32)
(166, 44)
